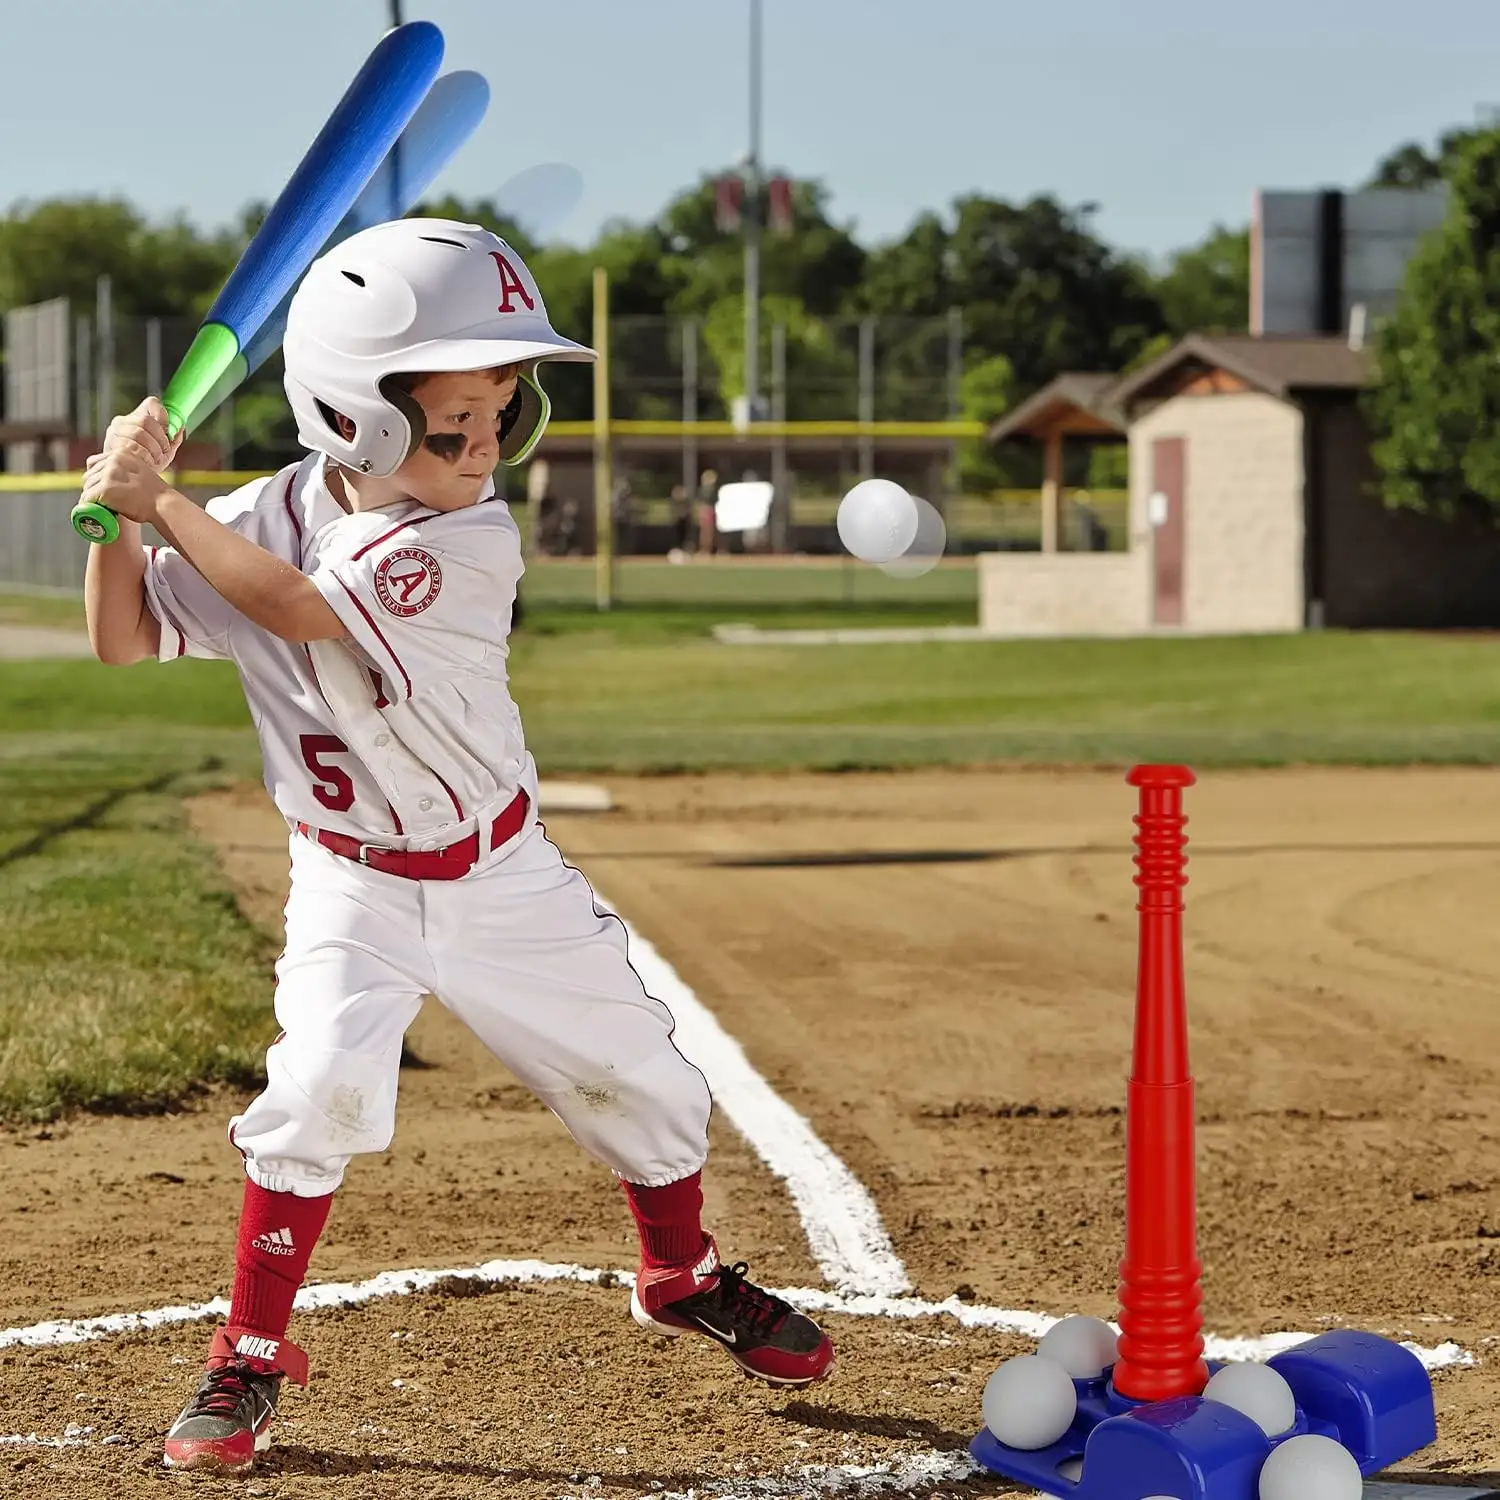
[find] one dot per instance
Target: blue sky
(1167, 113)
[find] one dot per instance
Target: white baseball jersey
(406, 734)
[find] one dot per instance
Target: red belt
(450, 863)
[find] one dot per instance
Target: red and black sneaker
(765, 1336)
(228, 1420)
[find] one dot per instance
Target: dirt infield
(935, 970)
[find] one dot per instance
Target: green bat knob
(96, 523)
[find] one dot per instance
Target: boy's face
(450, 467)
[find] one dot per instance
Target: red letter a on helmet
(510, 281)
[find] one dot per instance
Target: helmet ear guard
(410, 408)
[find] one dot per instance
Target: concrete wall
(1063, 593)
(1243, 546)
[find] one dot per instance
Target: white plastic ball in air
(877, 520)
(1311, 1468)
(1029, 1403)
(926, 548)
(1259, 1392)
(1084, 1347)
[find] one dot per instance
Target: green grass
(599, 699)
(738, 583)
(58, 611)
(128, 979)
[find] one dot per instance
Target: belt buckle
(364, 851)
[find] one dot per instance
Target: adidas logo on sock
(274, 1242)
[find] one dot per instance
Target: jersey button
(425, 804)
(382, 740)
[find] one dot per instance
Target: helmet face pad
(522, 423)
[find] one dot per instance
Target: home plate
(574, 796)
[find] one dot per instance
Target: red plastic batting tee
(1161, 1289)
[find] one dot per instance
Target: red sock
(277, 1235)
(669, 1220)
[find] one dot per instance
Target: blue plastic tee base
(1364, 1391)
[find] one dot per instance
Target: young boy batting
(365, 597)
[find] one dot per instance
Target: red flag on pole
(779, 204)
(727, 196)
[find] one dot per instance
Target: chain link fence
(662, 369)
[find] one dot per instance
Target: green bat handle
(214, 354)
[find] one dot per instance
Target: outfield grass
(593, 701)
(128, 979)
(769, 583)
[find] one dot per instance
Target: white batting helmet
(414, 295)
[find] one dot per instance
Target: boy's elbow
(117, 653)
(123, 648)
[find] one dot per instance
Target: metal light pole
(396, 148)
(753, 226)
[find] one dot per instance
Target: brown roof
(1081, 391)
(1278, 365)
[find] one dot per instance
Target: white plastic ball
(1029, 1402)
(1259, 1392)
(927, 547)
(1084, 1347)
(877, 520)
(1311, 1468)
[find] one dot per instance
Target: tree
(986, 392)
(817, 262)
(1412, 165)
(1435, 409)
(1034, 282)
(820, 370)
(1206, 289)
(61, 247)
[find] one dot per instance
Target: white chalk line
(322, 1295)
(843, 1226)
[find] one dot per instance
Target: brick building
(1253, 506)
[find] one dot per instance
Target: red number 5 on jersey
(333, 787)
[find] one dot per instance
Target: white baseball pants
(522, 954)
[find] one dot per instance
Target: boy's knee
(320, 1107)
(649, 1124)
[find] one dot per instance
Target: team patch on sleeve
(407, 581)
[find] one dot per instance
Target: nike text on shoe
(228, 1420)
(765, 1336)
